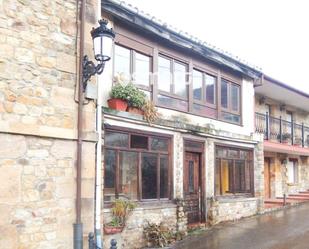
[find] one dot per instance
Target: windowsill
(290, 184)
(235, 198)
(146, 205)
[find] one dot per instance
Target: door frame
(202, 176)
(267, 161)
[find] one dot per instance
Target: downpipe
(78, 226)
(98, 187)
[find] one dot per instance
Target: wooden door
(192, 187)
(267, 178)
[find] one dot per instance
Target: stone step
(292, 199)
(299, 195)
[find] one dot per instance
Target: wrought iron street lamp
(102, 37)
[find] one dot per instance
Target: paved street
(287, 229)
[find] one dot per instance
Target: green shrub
(135, 97)
(130, 93)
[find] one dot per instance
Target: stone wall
(233, 209)
(37, 192)
(38, 124)
(132, 235)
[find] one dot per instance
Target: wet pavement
(285, 229)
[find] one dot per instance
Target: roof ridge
(185, 34)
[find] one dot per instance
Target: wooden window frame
(139, 152)
(248, 162)
(133, 66)
(204, 101)
(131, 40)
(171, 93)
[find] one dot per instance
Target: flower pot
(117, 104)
(112, 230)
(135, 110)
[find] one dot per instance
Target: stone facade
(38, 124)
(217, 209)
(132, 235)
(37, 197)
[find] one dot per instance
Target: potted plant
(120, 212)
(118, 97)
(286, 137)
(136, 99)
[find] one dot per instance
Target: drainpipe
(98, 187)
(98, 167)
(78, 226)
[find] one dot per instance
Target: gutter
(78, 225)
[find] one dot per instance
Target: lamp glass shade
(102, 46)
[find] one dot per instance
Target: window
(230, 101)
(172, 78)
(132, 66)
(234, 171)
(136, 166)
(292, 171)
(204, 94)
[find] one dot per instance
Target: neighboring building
(282, 115)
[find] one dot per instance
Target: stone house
(282, 115)
(204, 155)
(203, 151)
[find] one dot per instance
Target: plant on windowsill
(121, 209)
(136, 99)
(118, 97)
(150, 112)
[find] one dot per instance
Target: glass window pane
(240, 177)
(142, 69)
(160, 144)
(224, 93)
(109, 175)
(230, 117)
(164, 176)
(194, 145)
(221, 152)
(128, 175)
(197, 85)
(205, 111)
(122, 62)
(191, 176)
(247, 176)
(116, 139)
(227, 176)
(210, 83)
(233, 153)
(218, 179)
(235, 97)
(164, 74)
(139, 142)
(173, 103)
(149, 175)
(180, 82)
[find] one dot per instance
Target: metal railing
(281, 130)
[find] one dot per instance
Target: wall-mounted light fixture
(102, 38)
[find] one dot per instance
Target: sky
(270, 34)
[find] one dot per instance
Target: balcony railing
(283, 131)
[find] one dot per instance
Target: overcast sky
(271, 34)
